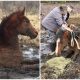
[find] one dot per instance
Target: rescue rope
(73, 40)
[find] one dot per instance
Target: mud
(30, 53)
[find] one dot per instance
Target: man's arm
(65, 27)
(62, 23)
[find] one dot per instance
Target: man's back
(53, 20)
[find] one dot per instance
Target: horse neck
(9, 42)
(13, 42)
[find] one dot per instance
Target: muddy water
(29, 53)
(44, 46)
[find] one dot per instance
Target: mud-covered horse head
(64, 38)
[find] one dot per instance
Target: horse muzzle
(34, 35)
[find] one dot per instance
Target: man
(56, 19)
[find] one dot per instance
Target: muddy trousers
(50, 38)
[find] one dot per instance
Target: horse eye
(24, 20)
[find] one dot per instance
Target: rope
(73, 39)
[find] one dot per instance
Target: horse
(11, 26)
(64, 40)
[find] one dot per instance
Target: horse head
(18, 23)
(66, 38)
(25, 27)
(62, 41)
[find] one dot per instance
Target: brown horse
(10, 27)
(65, 40)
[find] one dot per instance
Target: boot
(52, 46)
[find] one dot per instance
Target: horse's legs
(52, 46)
(58, 47)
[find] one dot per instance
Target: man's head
(69, 9)
(64, 9)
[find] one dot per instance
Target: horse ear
(23, 11)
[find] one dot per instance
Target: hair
(70, 6)
(63, 8)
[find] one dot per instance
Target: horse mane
(9, 24)
(7, 18)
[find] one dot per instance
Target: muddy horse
(64, 39)
(10, 27)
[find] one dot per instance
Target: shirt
(53, 20)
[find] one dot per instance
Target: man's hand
(65, 27)
(72, 26)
